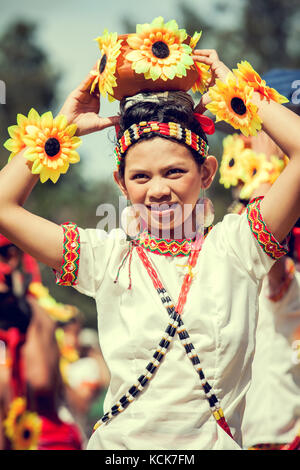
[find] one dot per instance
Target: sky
(66, 31)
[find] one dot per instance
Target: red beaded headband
(167, 129)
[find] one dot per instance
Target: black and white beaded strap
(151, 368)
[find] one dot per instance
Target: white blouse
(272, 413)
(220, 316)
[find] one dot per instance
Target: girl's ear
(209, 169)
(121, 183)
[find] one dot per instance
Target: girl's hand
(218, 70)
(82, 108)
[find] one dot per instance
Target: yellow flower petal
(134, 56)
(71, 130)
(74, 157)
(54, 176)
(195, 39)
(47, 120)
(13, 131)
(134, 41)
(33, 116)
(21, 120)
(32, 131)
(9, 144)
(36, 167)
(155, 72)
(60, 122)
(29, 141)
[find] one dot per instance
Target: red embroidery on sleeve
(71, 253)
(262, 234)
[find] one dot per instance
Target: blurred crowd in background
(52, 375)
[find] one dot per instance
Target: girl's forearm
(21, 226)
(281, 124)
(16, 182)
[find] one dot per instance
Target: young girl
(173, 372)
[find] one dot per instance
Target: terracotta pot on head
(130, 83)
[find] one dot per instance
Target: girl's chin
(171, 229)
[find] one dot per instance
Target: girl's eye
(174, 171)
(139, 176)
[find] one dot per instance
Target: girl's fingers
(108, 122)
(201, 107)
(86, 82)
(203, 59)
(206, 52)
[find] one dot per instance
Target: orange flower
(104, 74)
(246, 72)
(27, 432)
(51, 146)
(278, 165)
(16, 410)
(231, 102)
(256, 171)
(159, 50)
(15, 144)
(195, 39)
(231, 168)
(204, 76)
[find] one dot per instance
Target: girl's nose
(158, 190)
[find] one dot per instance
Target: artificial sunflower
(51, 145)
(15, 144)
(68, 354)
(246, 72)
(56, 310)
(231, 102)
(159, 50)
(278, 165)
(256, 171)
(203, 80)
(27, 432)
(195, 39)
(104, 73)
(38, 290)
(231, 168)
(16, 410)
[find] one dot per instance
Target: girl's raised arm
(281, 205)
(37, 236)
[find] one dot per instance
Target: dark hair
(164, 111)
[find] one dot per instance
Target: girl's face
(163, 179)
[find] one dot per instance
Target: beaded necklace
(175, 324)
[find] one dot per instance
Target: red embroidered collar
(167, 247)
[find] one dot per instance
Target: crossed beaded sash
(175, 324)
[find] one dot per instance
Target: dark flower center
(254, 172)
(52, 147)
(26, 434)
(102, 64)
(238, 106)
(231, 163)
(160, 49)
